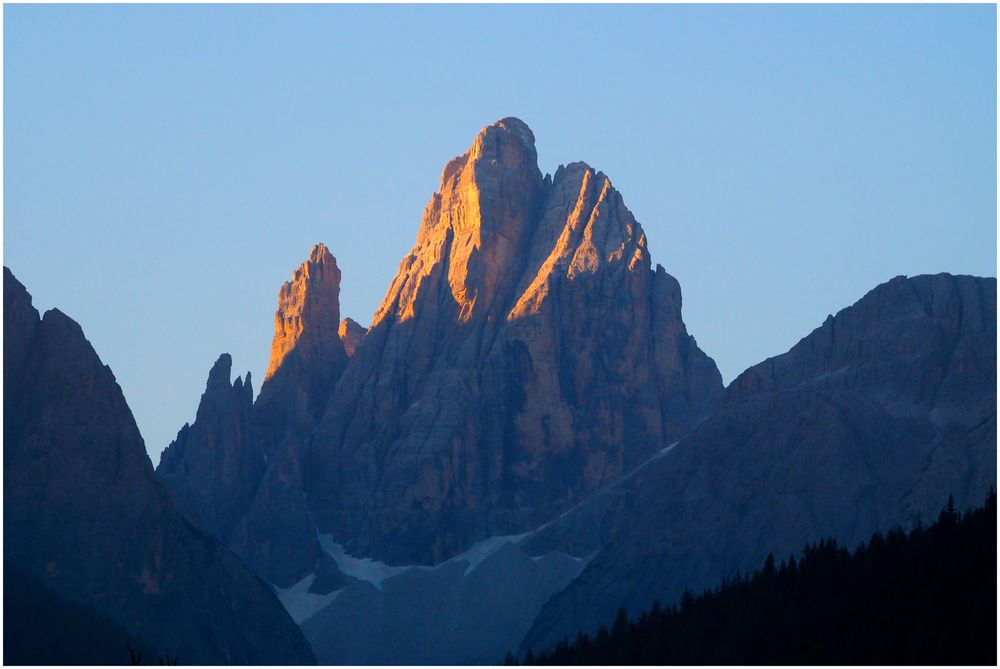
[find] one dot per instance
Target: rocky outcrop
(214, 465)
(307, 355)
(351, 333)
(525, 354)
(277, 536)
(238, 468)
(871, 421)
(84, 514)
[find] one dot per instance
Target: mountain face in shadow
(871, 421)
(85, 515)
(528, 378)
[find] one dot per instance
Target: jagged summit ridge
(469, 398)
(479, 223)
(524, 355)
(221, 372)
(213, 465)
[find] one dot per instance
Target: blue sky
(166, 168)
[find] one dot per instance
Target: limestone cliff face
(308, 306)
(307, 355)
(525, 354)
(278, 535)
(237, 468)
(869, 422)
(214, 465)
(84, 514)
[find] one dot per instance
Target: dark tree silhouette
(923, 597)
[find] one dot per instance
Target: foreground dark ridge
(927, 597)
(84, 515)
(42, 628)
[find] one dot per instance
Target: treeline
(42, 628)
(924, 597)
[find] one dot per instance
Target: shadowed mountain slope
(237, 469)
(871, 421)
(927, 597)
(85, 515)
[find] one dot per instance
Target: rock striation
(870, 422)
(528, 400)
(307, 354)
(85, 515)
(525, 354)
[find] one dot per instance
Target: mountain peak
(319, 254)
(507, 131)
(520, 294)
(475, 229)
(308, 312)
(509, 143)
(220, 373)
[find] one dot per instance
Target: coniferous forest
(923, 597)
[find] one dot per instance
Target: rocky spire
(277, 535)
(213, 466)
(307, 355)
(308, 315)
(237, 468)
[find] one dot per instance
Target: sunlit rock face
(351, 334)
(307, 355)
(85, 515)
(870, 422)
(525, 354)
(308, 314)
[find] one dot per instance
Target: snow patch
(302, 604)
(663, 451)
(481, 550)
(373, 571)
(363, 569)
(656, 456)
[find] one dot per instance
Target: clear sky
(166, 168)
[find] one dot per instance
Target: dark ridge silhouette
(927, 597)
(42, 628)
